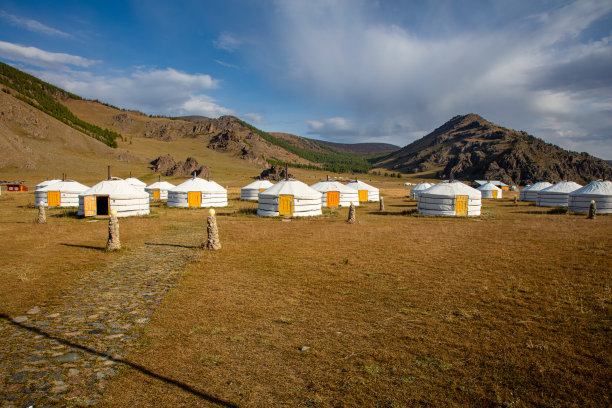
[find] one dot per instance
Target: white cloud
(399, 80)
(41, 58)
(32, 25)
(252, 117)
(227, 42)
(154, 91)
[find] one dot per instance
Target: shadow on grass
(410, 212)
(141, 369)
(84, 246)
(173, 245)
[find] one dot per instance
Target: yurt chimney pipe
(109, 174)
(286, 170)
(159, 177)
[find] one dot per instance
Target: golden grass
(509, 309)
(40, 260)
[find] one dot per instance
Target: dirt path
(64, 354)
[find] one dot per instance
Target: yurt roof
(135, 182)
(541, 185)
(117, 188)
(488, 187)
(197, 184)
(421, 186)
(257, 184)
(595, 188)
(65, 186)
(360, 185)
(46, 183)
(562, 187)
(292, 187)
(451, 189)
(329, 185)
(162, 185)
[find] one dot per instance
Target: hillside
(469, 147)
(365, 149)
(33, 142)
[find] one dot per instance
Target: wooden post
(212, 239)
(382, 204)
(113, 243)
(351, 214)
(592, 210)
(42, 217)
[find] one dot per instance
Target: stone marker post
(113, 243)
(42, 217)
(212, 239)
(592, 210)
(515, 200)
(382, 204)
(351, 214)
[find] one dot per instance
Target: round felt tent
(291, 198)
(598, 191)
(416, 190)
(557, 195)
(197, 192)
(136, 183)
(251, 191)
(159, 190)
(113, 194)
(451, 199)
(366, 192)
(335, 194)
(45, 183)
(489, 190)
(530, 193)
(64, 193)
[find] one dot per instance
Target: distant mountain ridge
(469, 147)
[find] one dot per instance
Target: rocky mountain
(168, 167)
(469, 147)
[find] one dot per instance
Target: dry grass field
(508, 309)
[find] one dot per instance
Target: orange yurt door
(494, 193)
(333, 198)
(53, 198)
(461, 205)
(89, 206)
(363, 195)
(156, 194)
(285, 205)
(194, 199)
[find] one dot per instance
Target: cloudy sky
(342, 70)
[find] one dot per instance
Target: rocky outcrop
(469, 147)
(168, 167)
(275, 173)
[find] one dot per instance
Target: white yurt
(113, 194)
(366, 191)
(450, 198)
(336, 194)
(136, 183)
(489, 190)
(530, 193)
(414, 193)
(289, 198)
(598, 191)
(64, 193)
(557, 195)
(251, 191)
(46, 183)
(159, 190)
(197, 192)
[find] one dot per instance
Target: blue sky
(345, 70)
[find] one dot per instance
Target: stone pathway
(63, 355)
